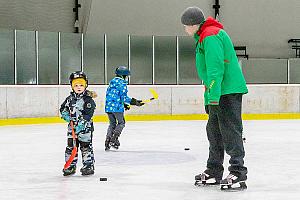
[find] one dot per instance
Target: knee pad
(85, 137)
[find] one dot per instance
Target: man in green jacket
(217, 65)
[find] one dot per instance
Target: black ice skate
(115, 143)
(69, 171)
(206, 179)
(87, 170)
(234, 183)
(107, 143)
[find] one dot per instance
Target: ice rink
(150, 164)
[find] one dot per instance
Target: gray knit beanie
(192, 16)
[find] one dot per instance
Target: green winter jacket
(216, 62)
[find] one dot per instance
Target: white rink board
(32, 102)
(44, 101)
(272, 99)
(3, 113)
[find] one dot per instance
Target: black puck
(186, 149)
(103, 179)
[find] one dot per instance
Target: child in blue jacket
(116, 101)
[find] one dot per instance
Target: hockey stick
(154, 94)
(74, 151)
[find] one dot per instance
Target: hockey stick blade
(154, 94)
(73, 154)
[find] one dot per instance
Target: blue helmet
(122, 71)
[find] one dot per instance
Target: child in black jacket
(78, 109)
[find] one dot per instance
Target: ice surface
(150, 164)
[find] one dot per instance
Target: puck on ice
(186, 149)
(103, 179)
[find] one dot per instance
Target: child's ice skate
(69, 171)
(234, 183)
(87, 170)
(107, 143)
(114, 142)
(206, 179)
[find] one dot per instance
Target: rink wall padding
(103, 118)
(265, 101)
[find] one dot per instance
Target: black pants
(224, 131)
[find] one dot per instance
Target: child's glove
(79, 127)
(136, 102)
(126, 106)
(65, 116)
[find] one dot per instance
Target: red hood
(211, 25)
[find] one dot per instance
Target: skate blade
(66, 175)
(205, 184)
(230, 188)
(87, 174)
(69, 175)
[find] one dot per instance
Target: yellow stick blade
(154, 93)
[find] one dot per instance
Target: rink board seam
(103, 118)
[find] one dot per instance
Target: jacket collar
(210, 21)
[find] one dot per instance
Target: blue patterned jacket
(116, 95)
